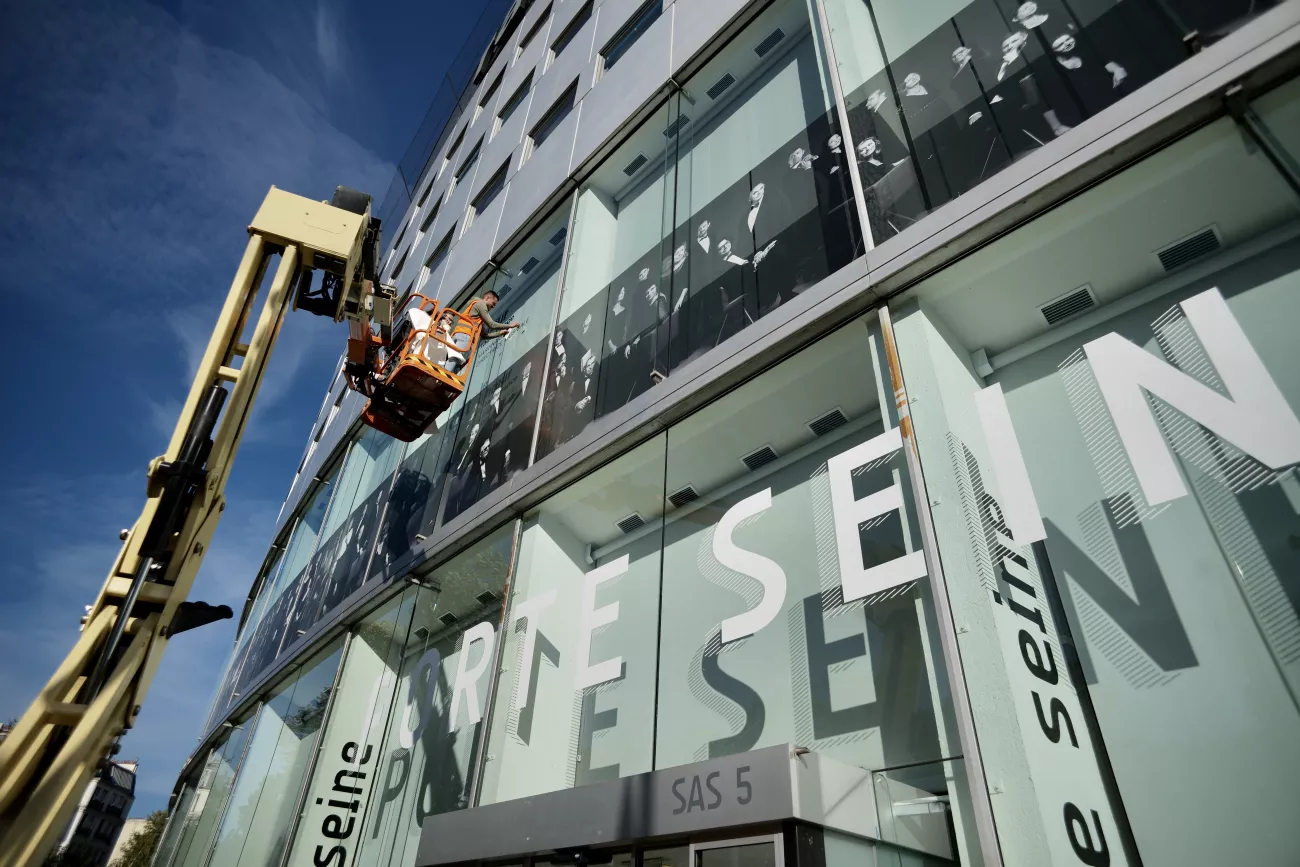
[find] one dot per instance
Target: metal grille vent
(769, 42)
(421, 633)
(487, 597)
(631, 522)
(824, 424)
(760, 458)
(676, 126)
(683, 496)
(1189, 249)
(1068, 305)
(558, 238)
(448, 619)
(720, 85)
(529, 265)
(631, 168)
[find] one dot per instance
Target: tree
(138, 852)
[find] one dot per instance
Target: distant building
(130, 828)
(100, 816)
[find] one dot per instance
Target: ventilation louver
(529, 265)
(720, 85)
(421, 633)
(760, 458)
(682, 496)
(1070, 304)
(631, 522)
(449, 619)
(631, 168)
(558, 238)
(824, 424)
(676, 126)
(487, 597)
(1189, 249)
(769, 42)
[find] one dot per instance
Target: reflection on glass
(175, 824)
(256, 824)
(913, 807)
(673, 856)
(784, 622)
(764, 204)
(943, 96)
(576, 701)
(1181, 600)
(347, 536)
(443, 683)
(347, 776)
(750, 855)
(724, 206)
(494, 432)
(210, 798)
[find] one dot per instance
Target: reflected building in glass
(896, 463)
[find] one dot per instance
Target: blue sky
(136, 141)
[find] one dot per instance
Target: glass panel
(347, 536)
(611, 344)
(264, 801)
(576, 703)
(500, 414)
(796, 606)
(210, 798)
(175, 825)
(223, 699)
(671, 856)
(442, 689)
(912, 807)
(750, 855)
(764, 202)
(944, 95)
(347, 773)
(1125, 483)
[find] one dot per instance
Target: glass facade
(1015, 545)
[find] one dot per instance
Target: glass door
(761, 851)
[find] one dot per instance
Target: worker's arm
(491, 328)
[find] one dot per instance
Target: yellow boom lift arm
(95, 694)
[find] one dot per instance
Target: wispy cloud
(133, 155)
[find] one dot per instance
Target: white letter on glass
(1256, 419)
(530, 609)
(850, 513)
(466, 677)
(756, 566)
(1019, 505)
(610, 669)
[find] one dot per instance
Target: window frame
(512, 104)
(637, 24)
(532, 32)
(551, 120)
(487, 193)
(570, 31)
(468, 163)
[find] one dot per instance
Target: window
(571, 30)
(451, 151)
(435, 258)
(554, 116)
(516, 99)
(489, 192)
(1108, 488)
(470, 159)
(492, 89)
(397, 269)
(533, 31)
(631, 32)
(424, 197)
(264, 802)
(433, 214)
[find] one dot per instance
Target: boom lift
(95, 694)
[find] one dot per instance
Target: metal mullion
(846, 133)
(555, 324)
(981, 802)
